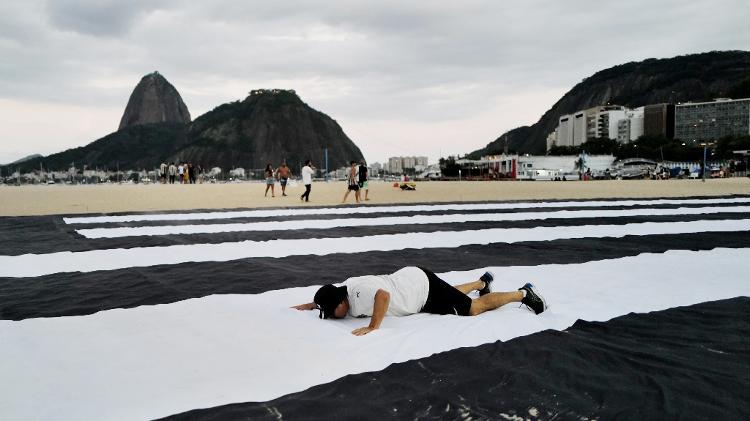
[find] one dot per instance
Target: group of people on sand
(182, 173)
(356, 181)
(283, 174)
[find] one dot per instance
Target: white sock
(523, 291)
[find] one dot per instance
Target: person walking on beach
(413, 290)
(163, 172)
(270, 181)
(352, 185)
(191, 172)
(181, 173)
(307, 175)
(283, 173)
(364, 180)
(186, 173)
(172, 170)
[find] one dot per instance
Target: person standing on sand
(172, 170)
(270, 181)
(352, 183)
(186, 174)
(414, 290)
(191, 172)
(364, 180)
(181, 173)
(283, 173)
(163, 172)
(307, 175)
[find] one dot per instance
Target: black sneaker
(533, 300)
(487, 279)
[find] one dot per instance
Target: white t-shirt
(307, 174)
(408, 288)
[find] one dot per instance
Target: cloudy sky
(402, 78)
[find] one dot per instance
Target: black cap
(328, 298)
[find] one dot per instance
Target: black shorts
(353, 187)
(443, 298)
(283, 181)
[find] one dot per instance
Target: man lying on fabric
(413, 290)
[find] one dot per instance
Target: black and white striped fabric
(140, 316)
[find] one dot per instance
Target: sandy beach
(108, 198)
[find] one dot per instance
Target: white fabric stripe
(269, 213)
(29, 265)
(154, 361)
(394, 220)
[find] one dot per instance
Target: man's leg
(470, 286)
(494, 300)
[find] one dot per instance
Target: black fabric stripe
(50, 235)
(682, 363)
(67, 294)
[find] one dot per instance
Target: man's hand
(363, 330)
(380, 307)
(308, 306)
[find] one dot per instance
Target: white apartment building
(577, 128)
(630, 128)
(605, 121)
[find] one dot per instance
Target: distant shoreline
(88, 199)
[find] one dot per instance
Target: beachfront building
(535, 167)
(592, 123)
(539, 167)
(705, 121)
(605, 119)
(630, 128)
(658, 120)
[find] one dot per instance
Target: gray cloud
(99, 17)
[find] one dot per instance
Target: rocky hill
(267, 126)
(154, 100)
(692, 77)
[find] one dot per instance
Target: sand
(109, 198)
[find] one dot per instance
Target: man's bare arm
(382, 300)
(308, 306)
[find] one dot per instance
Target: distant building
(400, 164)
(375, 169)
(712, 120)
(659, 120)
(395, 166)
(564, 132)
(605, 121)
(630, 128)
(592, 123)
(531, 167)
